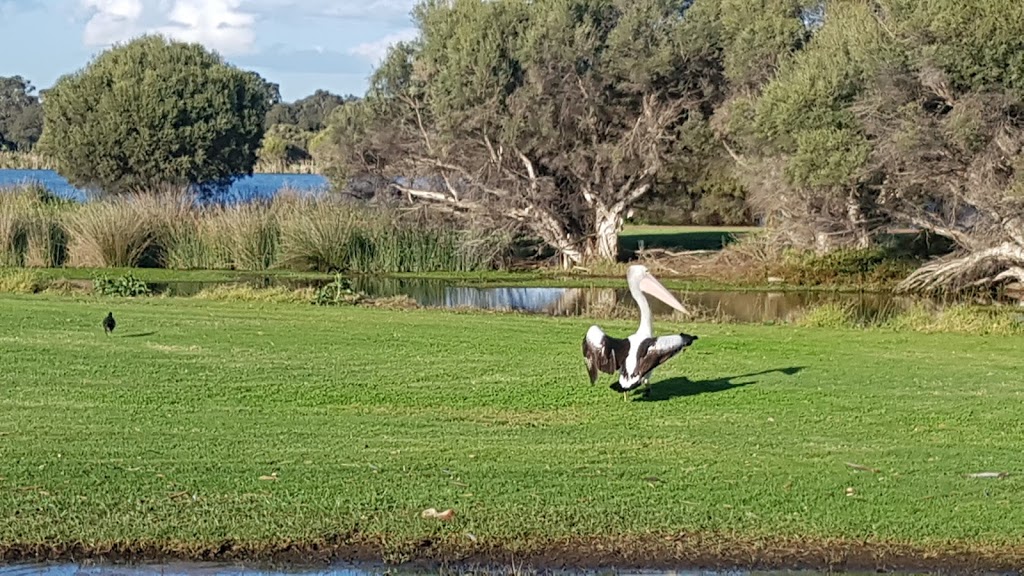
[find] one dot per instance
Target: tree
(309, 114)
(794, 138)
(556, 116)
(285, 144)
(752, 39)
(155, 112)
(20, 114)
(947, 126)
(897, 113)
(312, 112)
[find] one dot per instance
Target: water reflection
(219, 569)
(176, 569)
(735, 306)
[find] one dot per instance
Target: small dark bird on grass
(109, 323)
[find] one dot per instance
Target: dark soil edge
(681, 551)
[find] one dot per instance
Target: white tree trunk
(606, 233)
(858, 223)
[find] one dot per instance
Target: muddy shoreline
(674, 552)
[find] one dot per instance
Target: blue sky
(300, 44)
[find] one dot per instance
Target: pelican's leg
(646, 384)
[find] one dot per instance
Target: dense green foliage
(293, 126)
(896, 113)
(367, 417)
(155, 112)
(21, 114)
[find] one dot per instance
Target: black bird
(109, 323)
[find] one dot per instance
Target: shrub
(338, 293)
(154, 112)
(865, 267)
(127, 285)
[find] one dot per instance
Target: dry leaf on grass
(862, 467)
(987, 475)
(443, 516)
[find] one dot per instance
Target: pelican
(636, 356)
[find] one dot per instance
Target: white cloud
(345, 9)
(216, 24)
(113, 21)
(228, 26)
(221, 25)
(376, 51)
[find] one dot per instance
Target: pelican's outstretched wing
(604, 353)
(653, 352)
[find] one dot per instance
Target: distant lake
(247, 188)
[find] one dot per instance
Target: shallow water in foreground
(217, 568)
(736, 306)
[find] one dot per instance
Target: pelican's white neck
(646, 329)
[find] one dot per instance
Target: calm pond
(736, 306)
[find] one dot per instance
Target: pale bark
(1002, 263)
(607, 233)
(858, 223)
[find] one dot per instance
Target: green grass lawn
(680, 237)
(161, 433)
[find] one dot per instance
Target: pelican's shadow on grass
(682, 386)
(139, 334)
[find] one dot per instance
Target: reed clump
(168, 229)
(31, 231)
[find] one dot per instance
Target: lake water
(736, 306)
(176, 568)
(247, 188)
(212, 568)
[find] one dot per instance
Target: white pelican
(636, 356)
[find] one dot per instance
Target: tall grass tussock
(168, 229)
(31, 228)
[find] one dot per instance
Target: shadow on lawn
(139, 334)
(682, 386)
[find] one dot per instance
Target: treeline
(833, 121)
(291, 127)
(292, 130)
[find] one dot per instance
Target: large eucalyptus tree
(556, 116)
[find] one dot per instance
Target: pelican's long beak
(650, 285)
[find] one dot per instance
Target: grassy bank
(832, 310)
(635, 237)
(220, 429)
(294, 234)
(543, 277)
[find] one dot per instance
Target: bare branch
(739, 159)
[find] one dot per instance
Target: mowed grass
(366, 417)
(680, 238)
